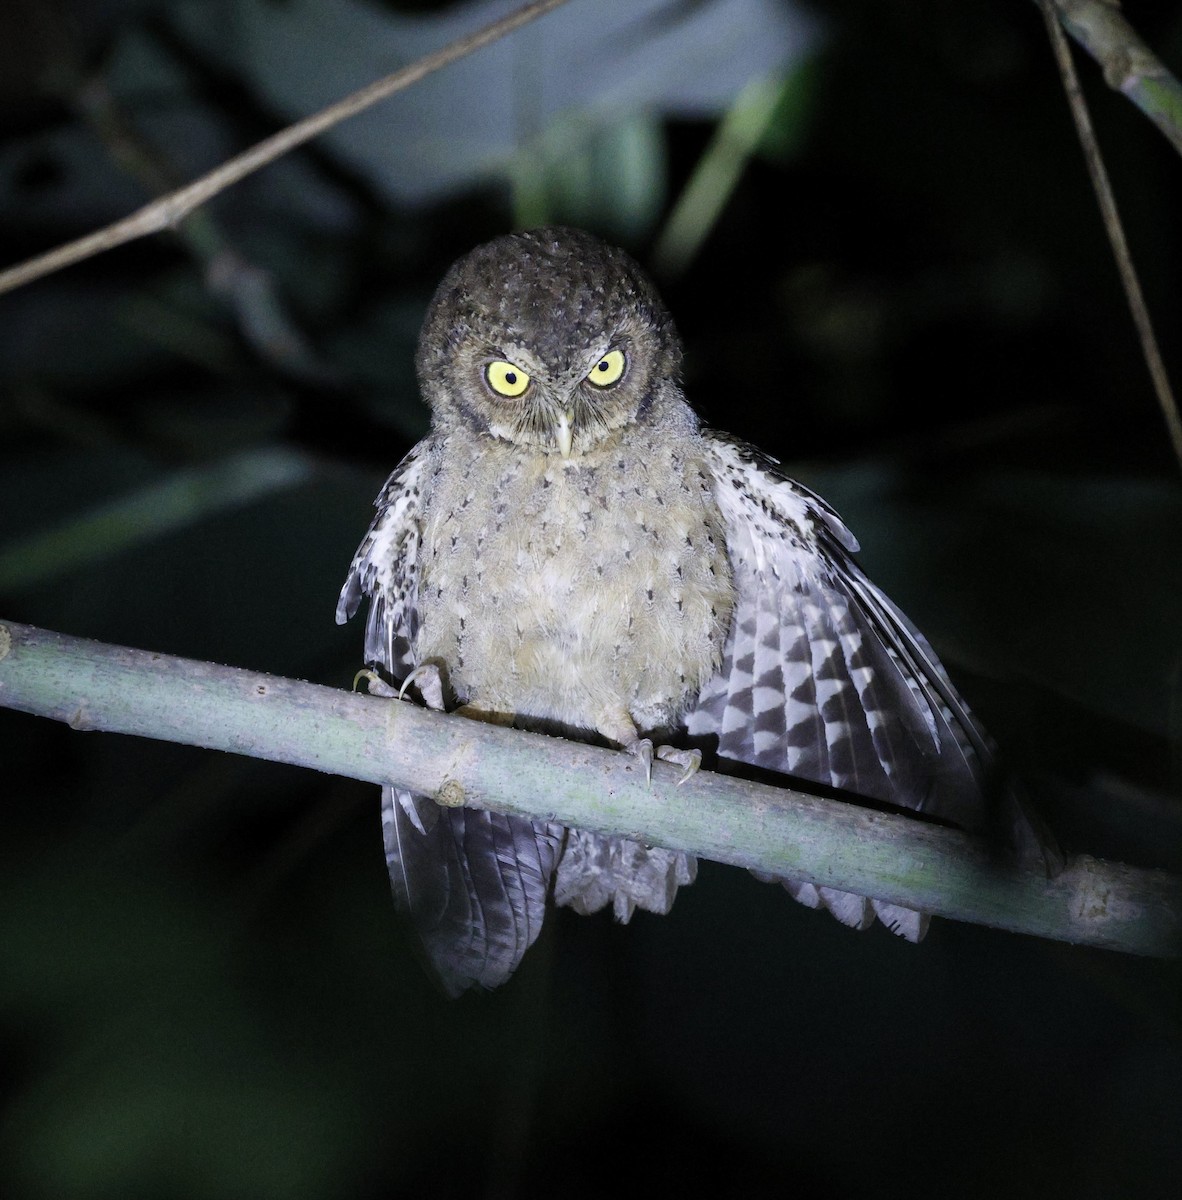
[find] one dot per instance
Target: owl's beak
(563, 434)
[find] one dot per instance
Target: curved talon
(691, 760)
(429, 680)
(377, 685)
(642, 749)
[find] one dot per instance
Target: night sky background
(906, 296)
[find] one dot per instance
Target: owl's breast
(555, 590)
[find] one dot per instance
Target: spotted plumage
(569, 550)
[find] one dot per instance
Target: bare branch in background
(248, 289)
(169, 210)
(1121, 65)
(1128, 63)
(1129, 66)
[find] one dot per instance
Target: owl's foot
(616, 725)
(642, 748)
(376, 685)
(428, 678)
(688, 760)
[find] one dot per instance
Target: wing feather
(474, 884)
(385, 568)
(824, 678)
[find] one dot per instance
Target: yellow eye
(608, 369)
(505, 379)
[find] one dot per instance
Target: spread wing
(385, 568)
(474, 884)
(824, 678)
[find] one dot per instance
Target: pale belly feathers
(551, 591)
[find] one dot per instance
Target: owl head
(549, 339)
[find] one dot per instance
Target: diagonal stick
(1112, 224)
(169, 210)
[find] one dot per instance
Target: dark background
(204, 990)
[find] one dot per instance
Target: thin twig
(1114, 228)
(785, 833)
(249, 289)
(167, 211)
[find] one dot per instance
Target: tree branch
(170, 210)
(1121, 63)
(91, 685)
(1128, 64)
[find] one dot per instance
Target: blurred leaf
(601, 61)
(55, 177)
(579, 172)
(744, 126)
(184, 498)
(791, 119)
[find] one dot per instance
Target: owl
(569, 550)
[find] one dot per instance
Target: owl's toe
(428, 678)
(690, 760)
(642, 748)
(375, 684)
